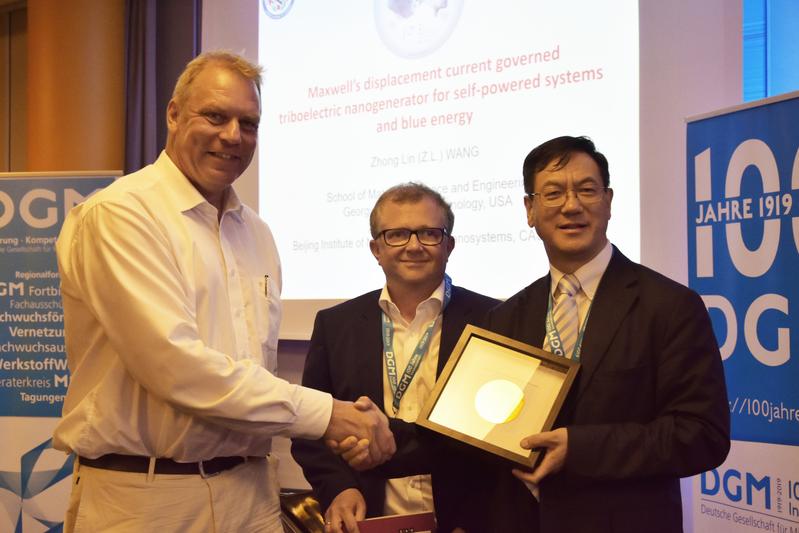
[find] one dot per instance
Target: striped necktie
(564, 314)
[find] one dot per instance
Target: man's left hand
(555, 444)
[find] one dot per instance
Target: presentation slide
(360, 96)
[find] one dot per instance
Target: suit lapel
(615, 296)
(523, 316)
(532, 323)
(370, 349)
(455, 317)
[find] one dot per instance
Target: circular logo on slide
(416, 28)
(499, 401)
(277, 9)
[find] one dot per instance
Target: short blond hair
(229, 60)
(410, 193)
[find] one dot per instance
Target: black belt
(137, 463)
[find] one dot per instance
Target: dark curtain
(161, 37)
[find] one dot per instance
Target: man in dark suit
(649, 405)
(358, 345)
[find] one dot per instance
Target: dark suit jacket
(649, 405)
(345, 359)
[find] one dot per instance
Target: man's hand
(359, 432)
(356, 452)
(556, 446)
(346, 509)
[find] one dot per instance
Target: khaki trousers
(244, 498)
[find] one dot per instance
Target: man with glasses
(389, 345)
(649, 405)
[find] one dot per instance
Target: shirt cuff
(313, 413)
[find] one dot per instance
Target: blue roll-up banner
(34, 478)
(743, 253)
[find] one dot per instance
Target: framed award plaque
(494, 391)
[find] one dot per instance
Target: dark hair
(410, 192)
(560, 150)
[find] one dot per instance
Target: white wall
(233, 25)
(690, 64)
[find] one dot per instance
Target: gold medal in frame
(494, 391)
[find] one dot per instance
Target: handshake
(359, 433)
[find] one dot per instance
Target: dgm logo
(736, 486)
(773, 211)
(39, 208)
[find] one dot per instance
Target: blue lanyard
(553, 337)
(398, 388)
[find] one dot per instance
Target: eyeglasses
(587, 194)
(402, 236)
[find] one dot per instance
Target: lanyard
(398, 388)
(553, 337)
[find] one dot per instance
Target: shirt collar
(434, 302)
(588, 275)
(185, 195)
